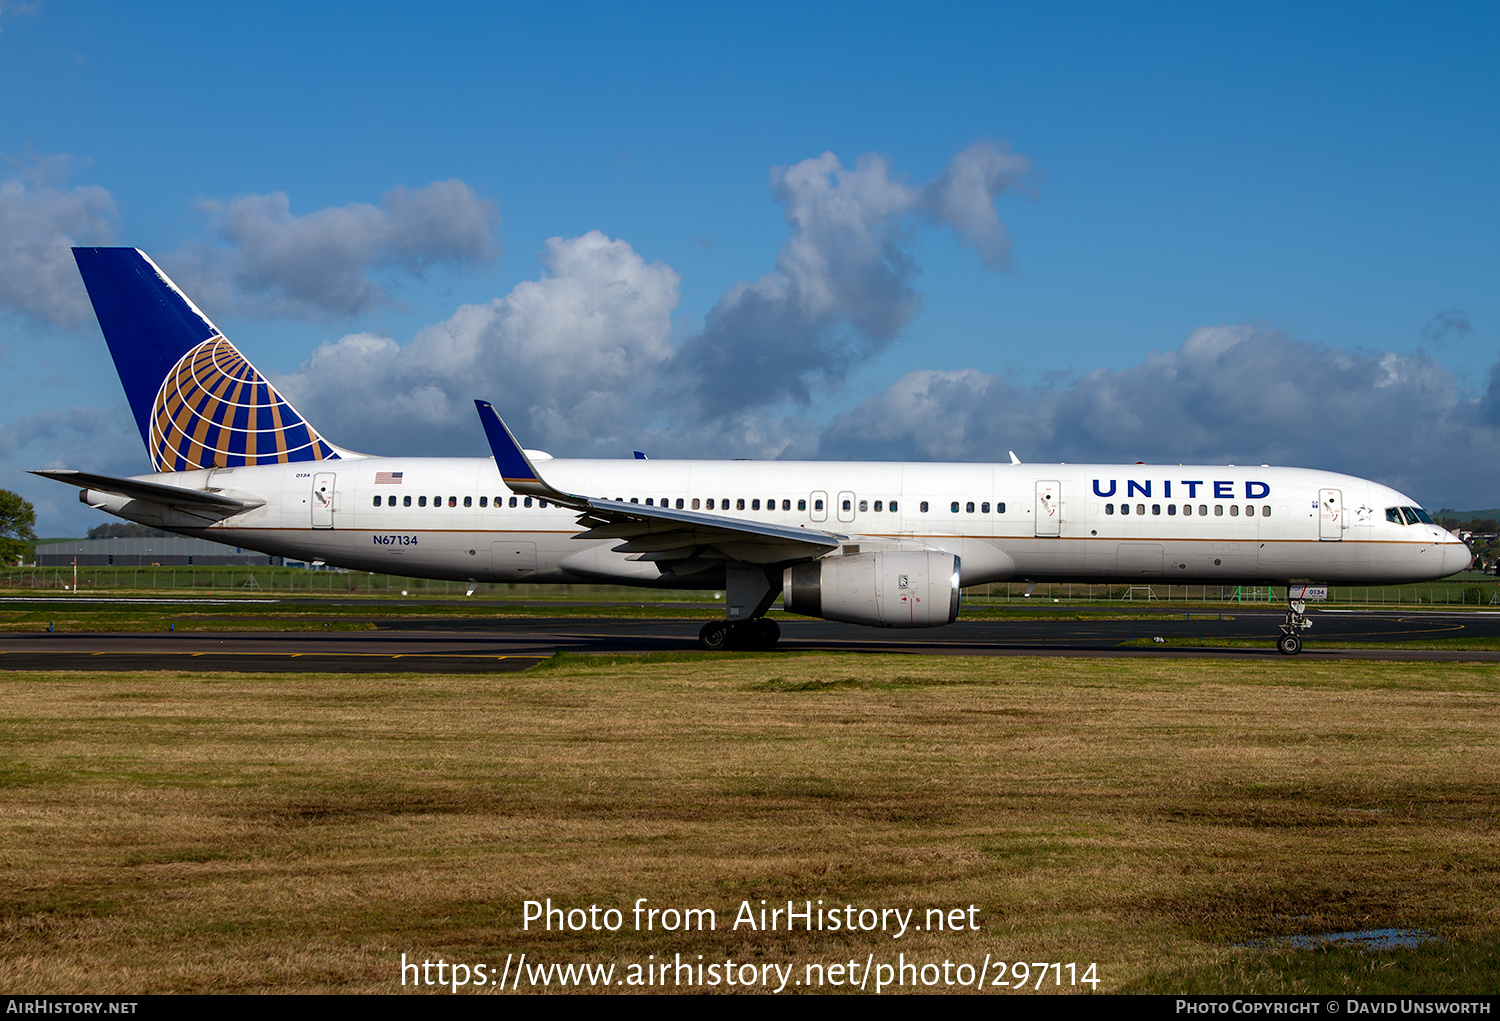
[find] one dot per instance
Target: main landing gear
(1290, 642)
(760, 633)
(748, 594)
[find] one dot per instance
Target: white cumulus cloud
(40, 221)
(570, 359)
(338, 260)
(841, 291)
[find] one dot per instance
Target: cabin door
(1048, 507)
(1330, 515)
(322, 500)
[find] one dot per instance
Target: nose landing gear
(1290, 642)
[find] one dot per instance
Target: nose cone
(1456, 555)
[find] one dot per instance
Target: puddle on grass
(1366, 939)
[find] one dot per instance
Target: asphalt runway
(465, 645)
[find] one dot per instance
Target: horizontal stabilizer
(150, 492)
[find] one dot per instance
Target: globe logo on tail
(215, 411)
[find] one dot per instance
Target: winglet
(515, 467)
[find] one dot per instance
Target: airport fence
(295, 581)
(1471, 589)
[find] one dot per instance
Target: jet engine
(894, 589)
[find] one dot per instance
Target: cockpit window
(1423, 516)
(1393, 515)
(1411, 515)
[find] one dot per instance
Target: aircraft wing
(150, 492)
(680, 540)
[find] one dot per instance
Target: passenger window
(740, 504)
(406, 501)
(847, 505)
(1250, 511)
(1109, 508)
(802, 505)
(710, 503)
(649, 503)
(421, 501)
(1171, 510)
(969, 507)
(1187, 509)
(377, 501)
(513, 501)
(633, 499)
(1234, 510)
(679, 503)
(817, 505)
(893, 506)
(526, 502)
(984, 508)
(541, 503)
(1124, 508)
(864, 505)
(1218, 510)
(924, 507)
(1156, 509)
(786, 505)
(954, 507)
(1265, 511)
(484, 501)
(695, 503)
(755, 505)
(1140, 508)
(468, 501)
(1203, 510)
(999, 508)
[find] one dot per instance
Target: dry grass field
(1166, 820)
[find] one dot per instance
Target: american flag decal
(388, 478)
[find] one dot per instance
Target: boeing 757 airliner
(880, 544)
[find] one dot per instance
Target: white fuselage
(455, 518)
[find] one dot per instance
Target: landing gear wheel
(770, 632)
(714, 636)
(1290, 642)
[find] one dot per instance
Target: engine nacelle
(896, 589)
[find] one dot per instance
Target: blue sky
(1174, 233)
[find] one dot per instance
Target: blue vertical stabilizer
(197, 402)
